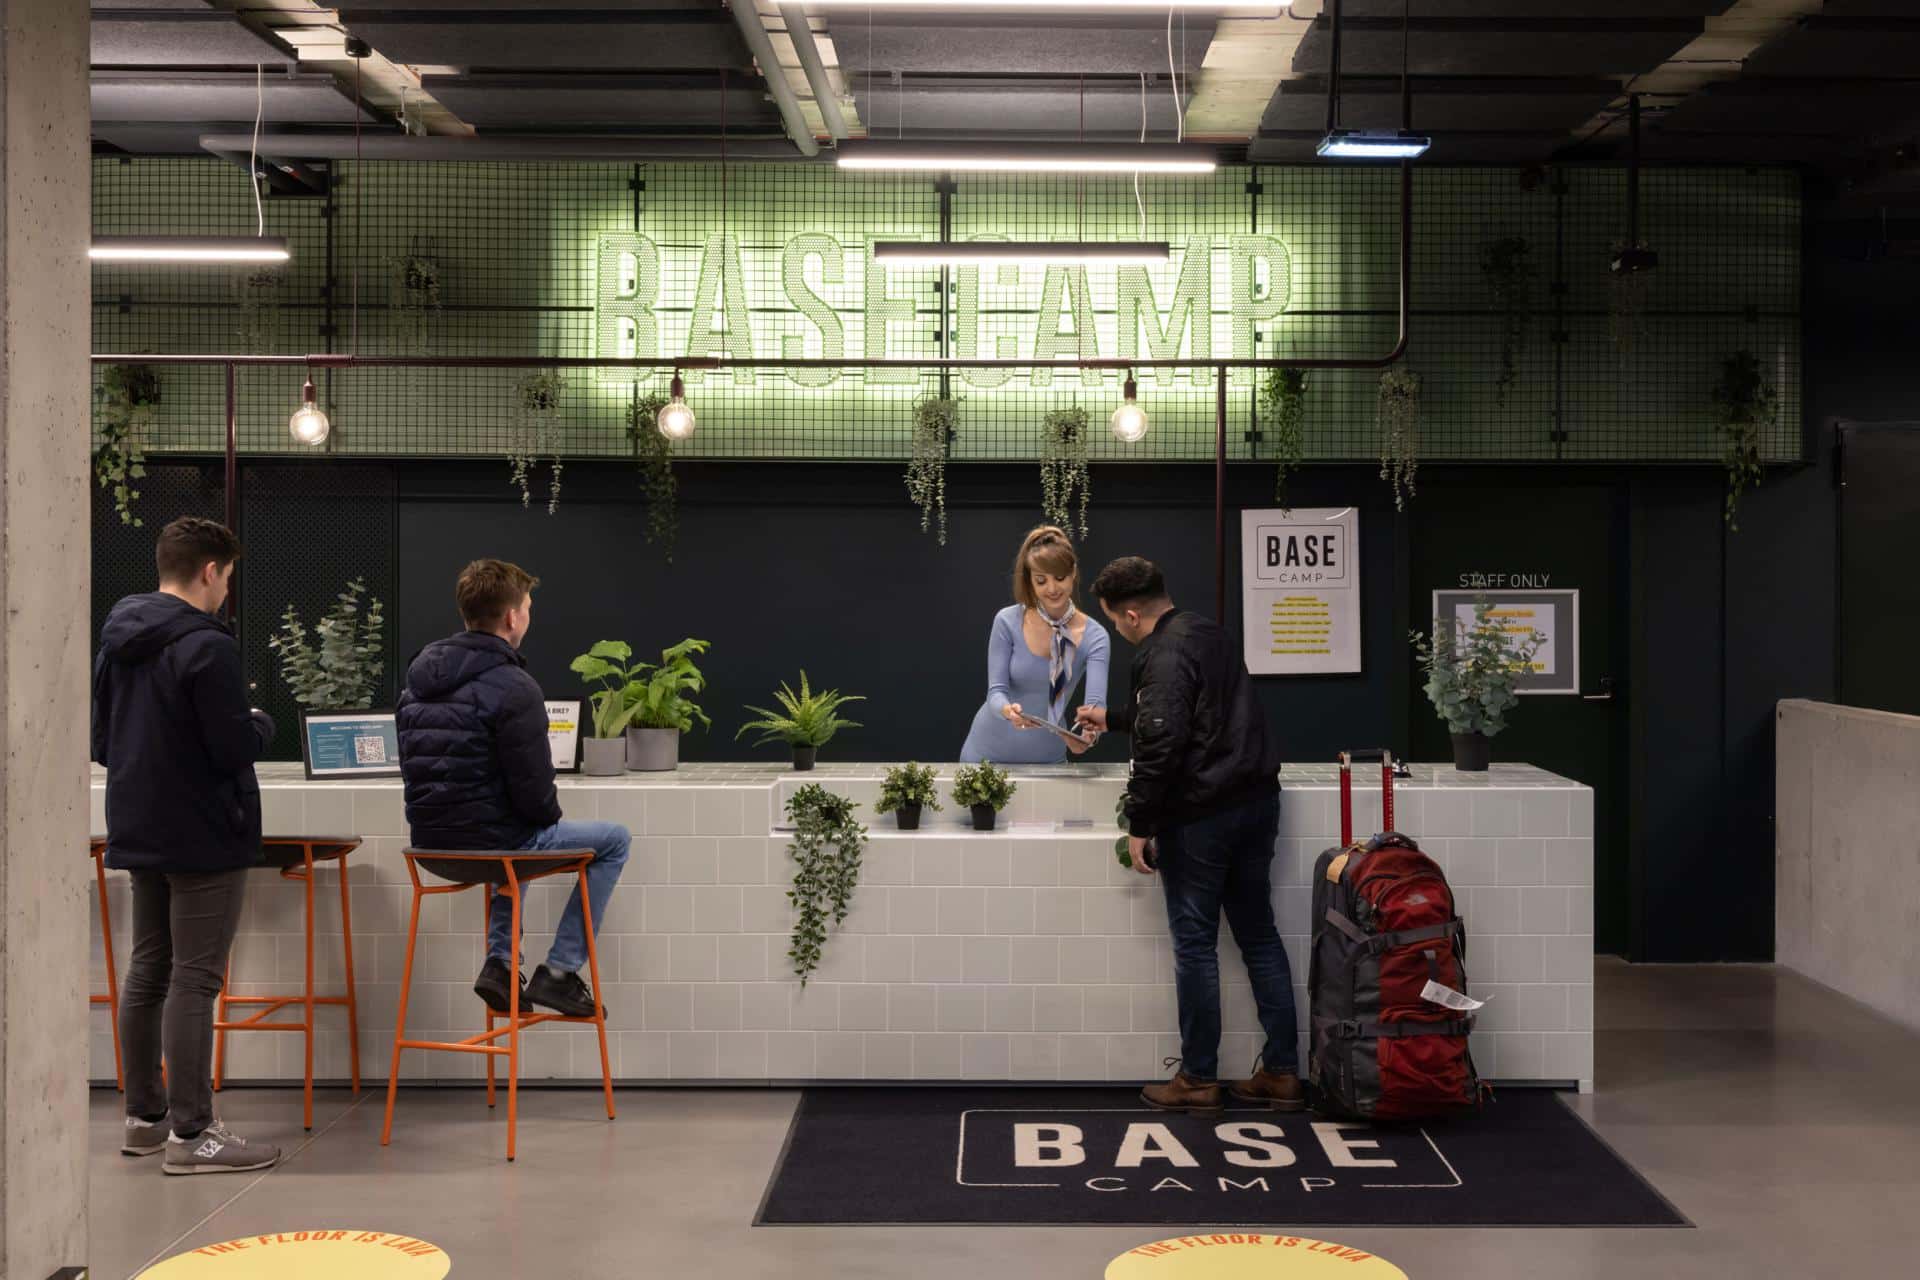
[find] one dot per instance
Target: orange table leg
(112, 1000)
(513, 1013)
(353, 1002)
(400, 1016)
(599, 1003)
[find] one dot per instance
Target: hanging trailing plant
(933, 421)
(654, 452)
(128, 395)
(1506, 266)
(1629, 284)
(1283, 404)
(339, 667)
(536, 415)
(826, 847)
(416, 293)
(1746, 405)
(1398, 413)
(1064, 479)
(257, 294)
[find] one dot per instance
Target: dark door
(1517, 533)
(1879, 592)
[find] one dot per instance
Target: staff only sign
(1300, 575)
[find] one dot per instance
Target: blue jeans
(609, 841)
(1224, 862)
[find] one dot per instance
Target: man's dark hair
(487, 589)
(1129, 581)
(188, 543)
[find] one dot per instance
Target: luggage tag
(1448, 998)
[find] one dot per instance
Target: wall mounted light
(1129, 421)
(676, 415)
(189, 249)
(1030, 157)
(978, 252)
(309, 424)
(1358, 144)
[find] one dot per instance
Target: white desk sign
(1300, 578)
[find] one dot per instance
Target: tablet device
(1035, 722)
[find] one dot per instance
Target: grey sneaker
(217, 1150)
(143, 1139)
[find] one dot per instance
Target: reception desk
(1023, 954)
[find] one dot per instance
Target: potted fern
(338, 666)
(806, 721)
(908, 790)
(985, 790)
(1471, 682)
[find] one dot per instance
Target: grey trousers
(183, 927)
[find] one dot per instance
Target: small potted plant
(604, 753)
(806, 721)
(643, 713)
(1470, 682)
(985, 790)
(908, 790)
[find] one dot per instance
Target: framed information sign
(1300, 575)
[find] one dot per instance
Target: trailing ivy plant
(1508, 271)
(933, 420)
(536, 413)
(826, 848)
(258, 295)
(1064, 479)
(128, 395)
(416, 293)
(1398, 413)
(1283, 404)
(1746, 404)
(654, 453)
(339, 666)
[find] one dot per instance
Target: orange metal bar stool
(97, 846)
(295, 857)
(508, 873)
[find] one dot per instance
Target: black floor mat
(1099, 1157)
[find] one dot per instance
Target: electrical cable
(253, 153)
(1139, 202)
(1179, 112)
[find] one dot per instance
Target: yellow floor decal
(1243, 1255)
(308, 1255)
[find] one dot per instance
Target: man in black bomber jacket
(1203, 810)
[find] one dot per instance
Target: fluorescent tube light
(1054, 6)
(1014, 157)
(977, 252)
(1354, 144)
(189, 249)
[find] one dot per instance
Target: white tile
(1544, 910)
(667, 909)
(1059, 1008)
(717, 909)
(694, 1055)
(986, 1057)
(1107, 911)
(329, 810)
(1516, 958)
(1136, 1057)
(1543, 1007)
(937, 960)
(1569, 1057)
(669, 812)
(1491, 911)
(962, 1008)
(790, 1055)
(766, 1006)
(642, 1055)
(1544, 813)
(1035, 862)
(987, 960)
(1502, 1012)
(1083, 960)
(756, 810)
(889, 959)
(378, 811)
(716, 1006)
(1009, 911)
(1521, 862)
(913, 911)
(692, 859)
(741, 957)
(936, 1057)
(742, 1055)
(667, 1007)
(1569, 861)
(743, 860)
(1153, 1008)
(1580, 910)
(863, 1006)
(1580, 1010)
(1057, 911)
(963, 911)
(1009, 1008)
(1136, 959)
(765, 909)
(913, 1008)
(867, 914)
(283, 811)
(695, 958)
(1473, 861)
(889, 1057)
(987, 862)
(1034, 1057)
(1148, 915)
(815, 1007)
(842, 960)
(1084, 866)
(887, 862)
(1447, 813)
(717, 811)
(649, 861)
(1496, 813)
(1580, 812)
(937, 861)
(1083, 1057)
(1523, 1056)
(1109, 1008)
(1569, 958)
(840, 1055)
(1036, 960)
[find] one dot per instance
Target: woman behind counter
(1037, 652)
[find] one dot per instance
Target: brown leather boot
(1271, 1089)
(1182, 1094)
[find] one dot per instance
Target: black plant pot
(1472, 752)
(803, 758)
(908, 816)
(983, 816)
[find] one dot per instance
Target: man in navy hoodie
(172, 726)
(478, 766)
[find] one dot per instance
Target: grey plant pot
(603, 757)
(653, 750)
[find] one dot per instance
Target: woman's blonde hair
(1050, 550)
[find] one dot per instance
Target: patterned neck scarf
(1060, 659)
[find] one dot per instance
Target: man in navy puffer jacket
(479, 775)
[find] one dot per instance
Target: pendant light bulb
(1129, 421)
(309, 424)
(676, 416)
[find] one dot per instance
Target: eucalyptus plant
(1398, 414)
(805, 719)
(1063, 468)
(826, 848)
(338, 666)
(654, 452)
(643, 695)
(933, 420)
(908, 786)
(535, 415)
(1508, 271)
(1283, 403)
(1471, 682)
(128, 395)
(1746, 405)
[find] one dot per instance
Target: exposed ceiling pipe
(340, 146)
(808, 50)
(747, 18)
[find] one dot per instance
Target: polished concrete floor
(1784, 1120)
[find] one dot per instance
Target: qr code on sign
(370, 750)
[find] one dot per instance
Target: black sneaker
(561, 992)
(491, 986)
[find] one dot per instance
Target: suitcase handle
(1346, 790)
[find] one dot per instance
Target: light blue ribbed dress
(1015, 674)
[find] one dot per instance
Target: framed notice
(349, 744)
(1553, 614)
(1300, 578)
(563, 735)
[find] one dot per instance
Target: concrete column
(44, 336)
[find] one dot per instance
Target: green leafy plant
(128, 395)
(983, 784)
(1508, 271)
(257, 294)
(1746, 405)
(654, 453)
(1398, 413)
(1283, 403)
(1471, 683)
(416, 293)
(643, 695)
(908, 786)
(1123, 847)
(338, 666)
(1064, 478)
(933, 421)
(805, 719)
(826, 848)
(536, 414)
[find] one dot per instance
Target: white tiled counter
(1022, 954)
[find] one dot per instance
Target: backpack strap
(1366, 1028)
(1379, 942)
